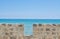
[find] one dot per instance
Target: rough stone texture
(11, 31)
(46, 31)
(40, 31)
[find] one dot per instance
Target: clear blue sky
(42, 9)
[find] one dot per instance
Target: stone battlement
(40, 31)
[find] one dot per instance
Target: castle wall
(40, 31)
(11, 31)
(46, 31)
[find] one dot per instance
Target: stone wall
(40, 31)
(11, 31)
(46, 31)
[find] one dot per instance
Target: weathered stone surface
(40, 31)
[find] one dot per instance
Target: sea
(28, 28)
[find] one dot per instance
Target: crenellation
(40, 31)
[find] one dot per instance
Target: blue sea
(29, 22)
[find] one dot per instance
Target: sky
(29, 9)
